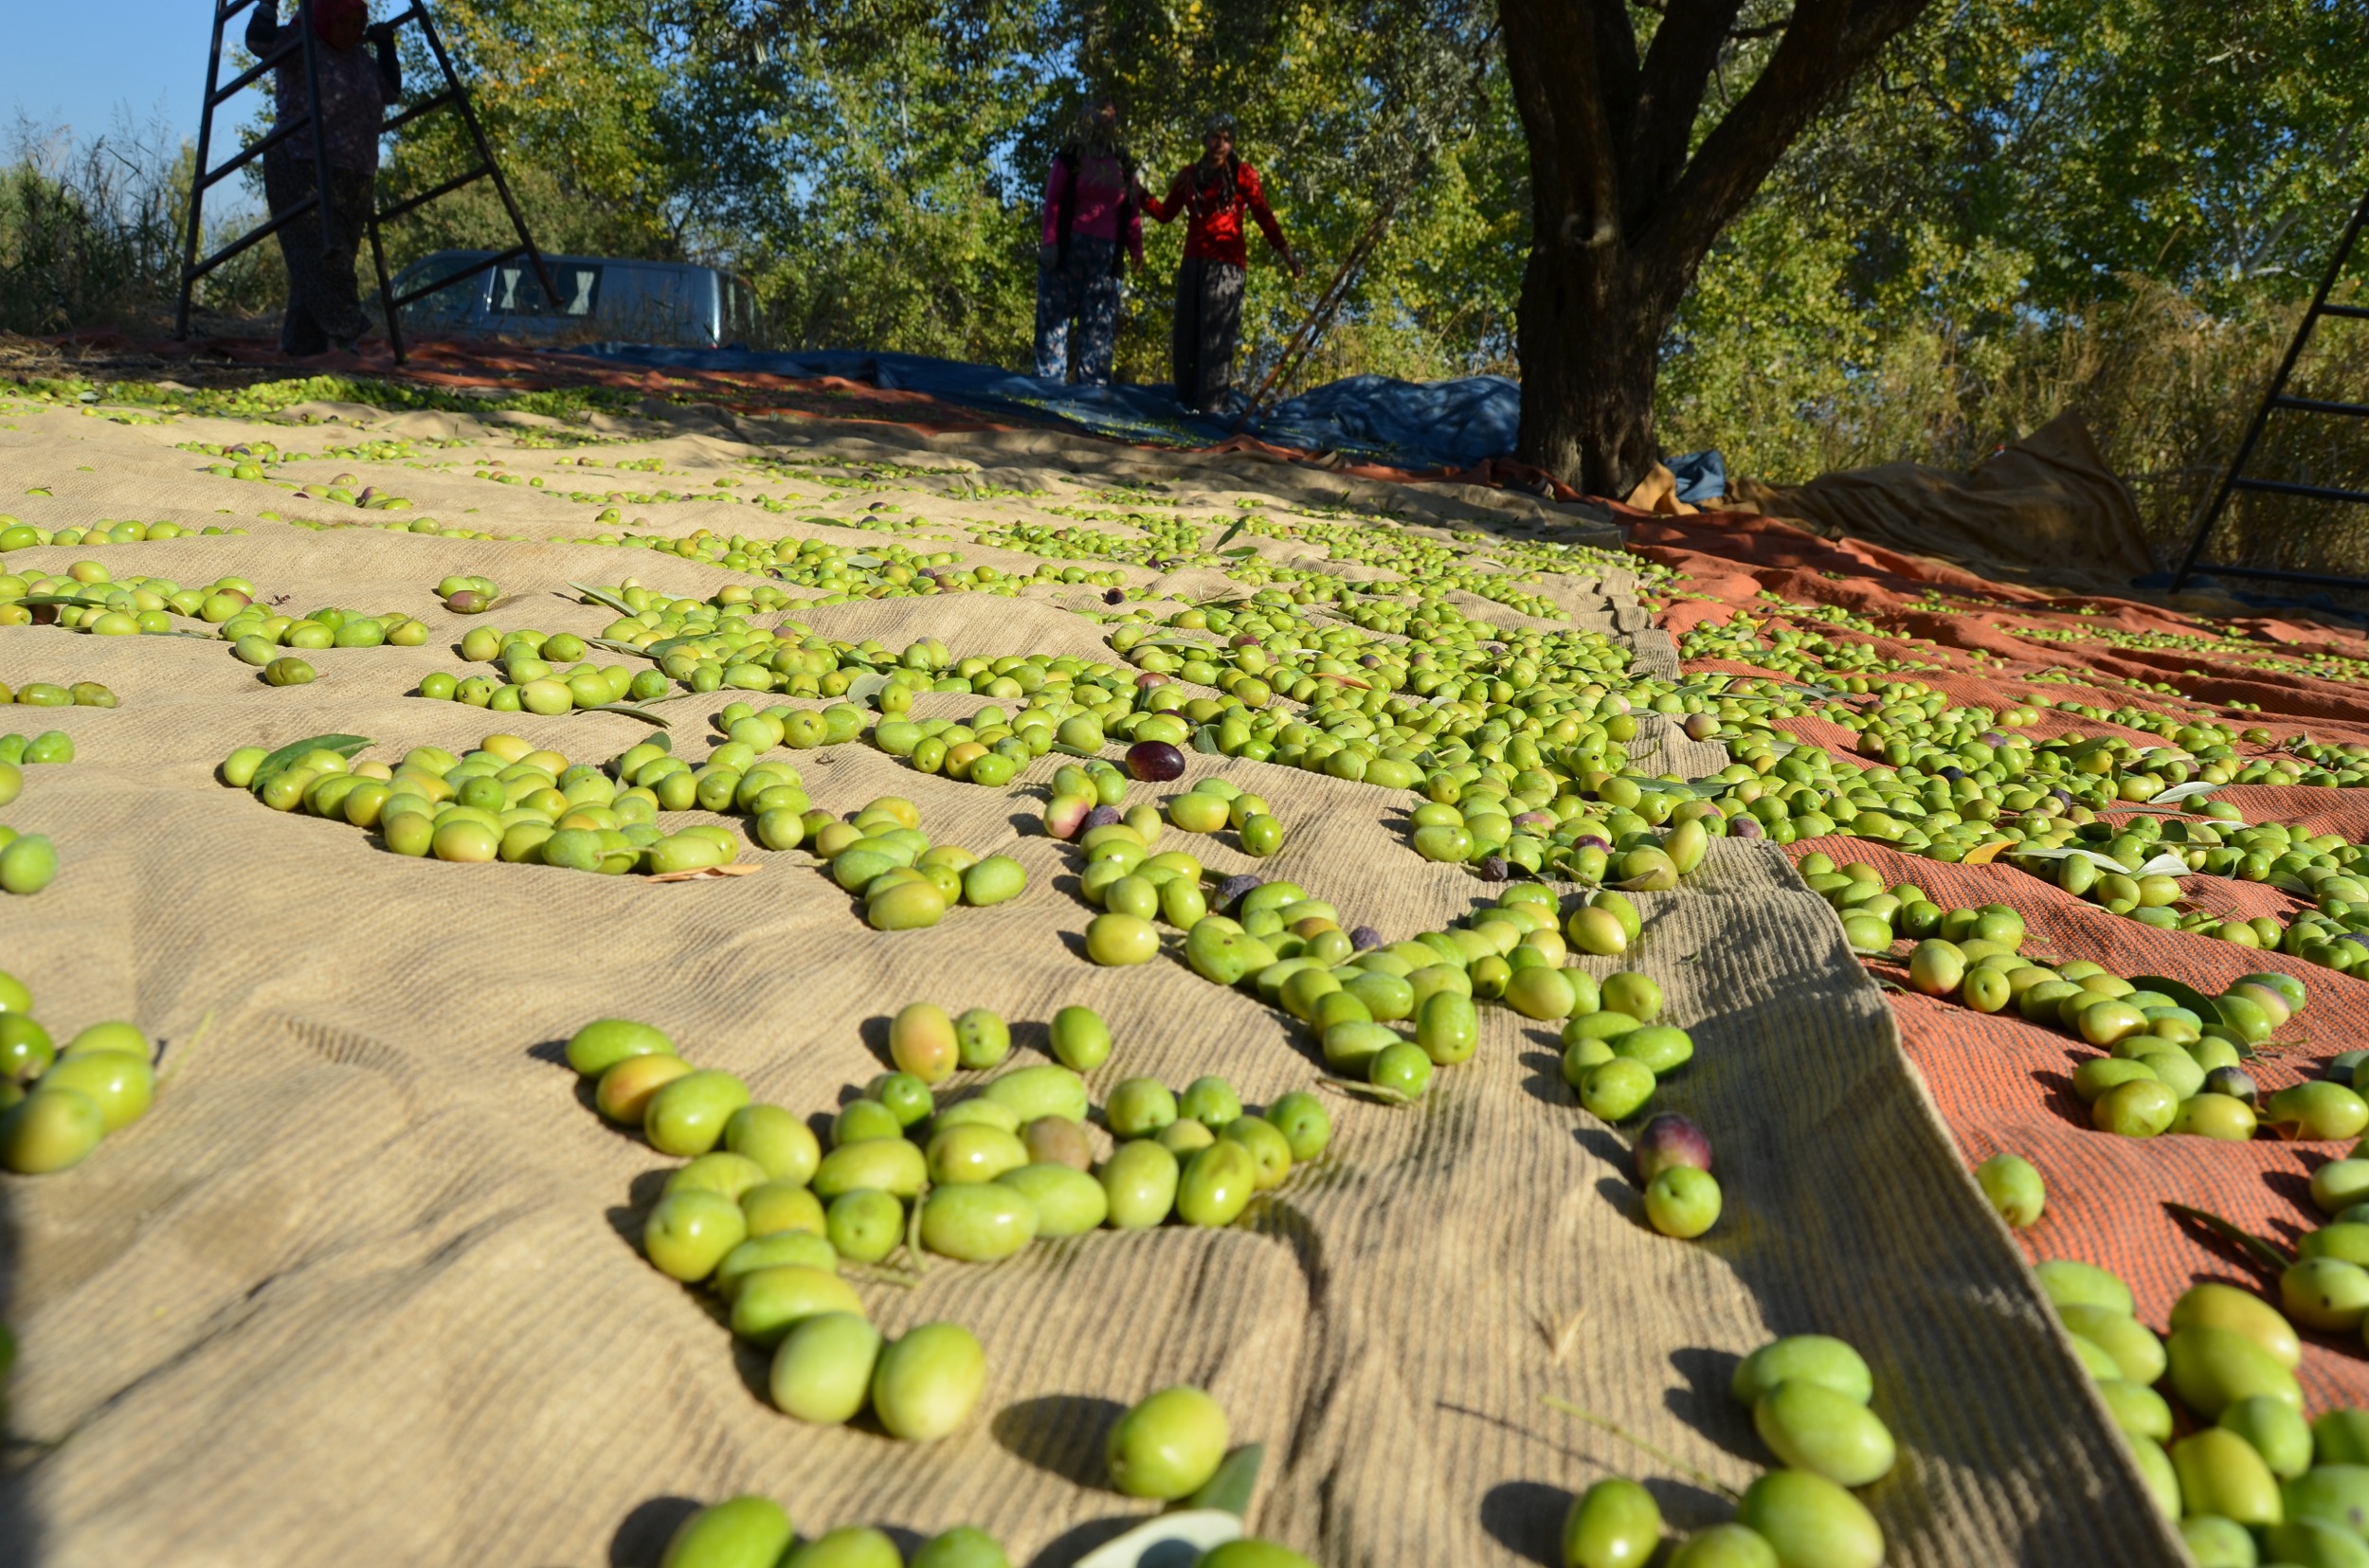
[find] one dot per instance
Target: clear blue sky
(78, 65)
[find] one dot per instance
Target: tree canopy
(2007, 173)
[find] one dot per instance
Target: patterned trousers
(1207, 328)
(1084, 291)
(323, 303)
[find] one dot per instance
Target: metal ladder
(2234, 477)
(307, 42)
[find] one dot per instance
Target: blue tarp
(1406, 424)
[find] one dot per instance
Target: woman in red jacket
(1213, 195)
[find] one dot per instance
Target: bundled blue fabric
(1430, 424)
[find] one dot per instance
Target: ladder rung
(2275, 575)
(2359, 311)
(416, 110)
(444, 190)
(247, 78)
(277, 134)
(2317, 491)
(450, 279)
(254, 235)
(2320, 405)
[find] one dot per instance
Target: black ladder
(307, 42)
(2235, 477)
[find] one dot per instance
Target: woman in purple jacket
(1093, 204)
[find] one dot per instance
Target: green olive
(2220, 1473)
(745, 1532)
(624, 1093)
(981, 1039)
(906, 907)
(2142, 1411)
(719, 1171)
(2315, 1110)
(2213, 1368)
(121, 1086)
(805, 1249)
(1813, 1427)
(25, 1049)
(1140, 1180)
(1138, 1107)
(1121, 939)
(964, 1546)
(993, 880)
(1169, 1445)
(927, 1383)
(50, 1129)
(1724, 1546)
(2273, 1428)
(1682, 1201)
(1045, 1089)
(865, 1224)
(2325, 1293)
(1810, 1521)
(1216, 1184)
(597, 1047)
(1211, 1101)
(14, 996)
(1661, 1047)
(1305, 1124)
(1819, 1359)
(2241, 1313)
(1067, 1200)
(2137, 1353)
(123, 1038)
(1267, 1146)
(775, 1207)
(1615, 1524)
(782, 1144)
(688, 1233)
(2014, 1189)
(859, 1121)
(2140, 1109)
(906, 1097)
(687, 1116)
(850, 1546)
(2067, 1282)
(1616, 1089)
(1540, 993)
(978, 1222)
(922, 1041)
(1081, 1041)
(892, 1166)
(768, 1304)
(2217, 1542)
(27, 864)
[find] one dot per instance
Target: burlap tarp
(364, 1287)
(2047, 507)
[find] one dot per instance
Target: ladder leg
(197, 183)
(386, 291)
(485, 152)
(2211, 514)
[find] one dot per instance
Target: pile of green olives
(757, 1532)
(47, 694)
(2252, 1481)
(881, 856)
(56, 1103)
(506, 801)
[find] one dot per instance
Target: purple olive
(1155, 762)
(1743, 825)
(1364, 939)
(1493, 869)
(1149, 678)
(1233, 891)
(1590, 840)
(1065, 816)
(1669, 1140)
(1701, 727)
(467, 601)
(2235, 1082)
(1114, 596)
(1101, 816)
(1953, 774)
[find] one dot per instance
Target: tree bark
(1625, 204)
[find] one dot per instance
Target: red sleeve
(1166, 211)
(1255, 198)
(1053, 201)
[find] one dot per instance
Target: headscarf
(327, 13)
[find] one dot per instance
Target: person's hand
(380, 32)
(1291, 260)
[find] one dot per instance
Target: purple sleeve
(1053, 203)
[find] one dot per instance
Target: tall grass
(91, 233)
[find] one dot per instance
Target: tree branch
(1826, 44)
(1678, 70)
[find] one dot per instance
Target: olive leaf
(285, 758)
(632, 710)
(1224, 539)
(614, 646)
(602, 596)
(2183, 995)
(1359, 1088)
(1230, 1488)
(1205, 741)
(864, 688)
(2262, 1251)
(1699, 1476)
(738, 868)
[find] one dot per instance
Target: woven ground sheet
(364, 1287)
